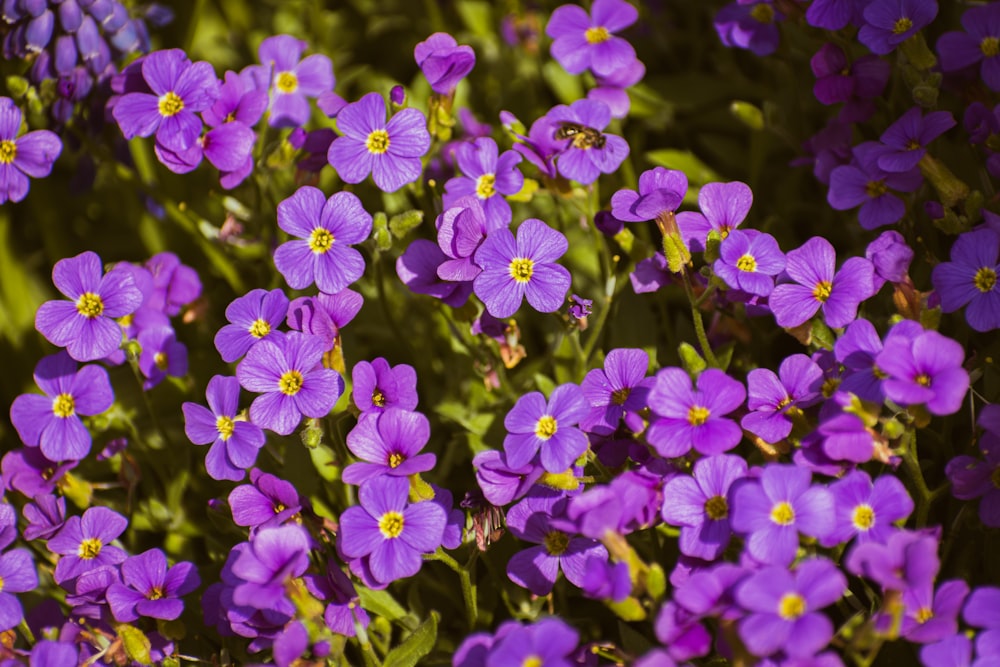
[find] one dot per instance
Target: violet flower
(618, 391)
(276, 555)
(324, 315)
(692, 416)
(699, 505)
(235, 442)
(980, 43)
(379, 387)
(908, 137)
(150, 588)
(865, 510)
(84, 542)
(772, 396)
(443, 62)
(417, 268)
(162, 355)
(889, 23)
(488, 175)
(462, 228)
(661, 191)
(546, 429)
(18, 573)
(864, 183)
(749, 26)
(587, 152)
(970, 278)
(293, 80)
(724, 206)
(265, 502)
(582, 41)
(924, 369)
(388, 443)
(748, 261)
(31, 154)
(253, 317)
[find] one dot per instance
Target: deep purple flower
(418, 267)
(866, 510)
(840, 81)
(489, 176)
(582, 42)
(924, 369)
(85, 325)
(150, 589)
(462, 228)
(548, 643)
(265, 502)
(379, 387)
(906, 560)
(313, 147)
(856, 350)
(982, 610)
(773, 509)
(971, 278)
(723, 207)
(699, 505)
(889, 23)
(46, 515)
(973, 478)
(293, 80)
(979, 42)
(324, 315)
(619, 390)
(253, 317)
(650, 274)
(387, 531)
(389, 151)
(954, 651)
(693, 416)
(784, 608)
(162, 355)
(388, 443)
(276, 555)
(235, 442)
(816, 286)
(325, 230)
(49, 653)
(525, 267)
(52, 422)
(30, 472)
(178, 89)
(750, 26)
(834, 14)
(31, 154)
(18, 573)
(908, 137)
(864, 183)
(587, 152)
(748, 261)
(891, 257)
(443, 62)
(796, 385)
(661, 191)
(535, 427)
(84, 542)
(287, 375)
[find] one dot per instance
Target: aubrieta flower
(981, 611)
(549, 643)
(235, 442)
(150, 588)
(378, 387)
(443, 62)
(748, 261)
(835, 14)
(389, 151)
(784, 608)
(45, 515)
(692, 416)
(501, 483)
(84, 543)
(177, 90)
(29, 471)
(52, 422)
(324, 315)
(389, 443)
(253, 317)
(972, 478)
(979, 43)
(611, 88)
(970, 278)
(288, 375)
(924, 369)
(699, 505)
(162, 355)
(587, 152)
(18, 574)
(867, 510)
(462, 228)
(773, 509)
(326, 230)
(817, 287)
(864, 183)
(31, 154)
(540, 147)
(266, 501)
(891, 257)
(772, 396)
(618, 391)
(749, 26)
(889, 23)
(724, 206)
(293, 80)
(582, 42)
(855, 83)
(547, 429)
(522, 268)
(85, 325)
(488, 175)
(907, 559)
(930, 615)
(661, 191)
(417, 268)
(908, 137)
(274, 557)
(856, 350)
(388, 532)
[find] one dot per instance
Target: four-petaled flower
(293, 80)
(235, 442)
(534, 425)
(971, 278)
(150, 588)
(693, 416)
(31, 154)
(582, 42)
(84, 543)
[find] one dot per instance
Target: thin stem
(699, 324)
(468, 588)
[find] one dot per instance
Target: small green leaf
(698, 172)
(656, 582)
(821, 334)
(416, 646)
(381, 603)
(692, 361)
(478, 17)
(566, 86)
(748, 114)
(628, 609)
(136, 644)
(17, 86)
(402, 223)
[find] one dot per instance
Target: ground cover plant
(500, 334)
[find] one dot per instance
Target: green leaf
(136, 644)
(697, 171)
(381, 603)
(567, 87)
(416, 646)
(478, 17)
(692, 361)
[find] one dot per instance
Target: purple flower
(907, 559)
(525, 267)
(85, 325)
(18, 573)
(548, 643)
(534, 425)
(816, 286)
(930, 615)
(692, 416)
(324, 315)
(390, 152)
(891, 257)
(462, 228)
(889, 23)
(699, 505)
(587, 152)
(344, 608)
(293, 80)
(52, 422)
(865, 510)
(84, 542)
(971, 278)
(46, 515)
(650, 274)
(487, 175)
(150, 588)
(772, 397)
(276, 555)
(661, 191)
(909, 135)
(379, 387)
(389, 533)
(619, 390)
(418, 267)
(388, 443)
(253, 317)
(20, 157)
(834, 14)
(287, 375)
(162, 355)
(773, 509)
(501, 483)
(582, 42)
(981, 611)
(864, 183)
(235, 442)
(326, 229)
(954, 651)
(979, 42)
(443, 62)
(540, 147)
(749, 26)
(239, 102)
(723, 207)
(973, 478)
(924, 369)
(784, 608)
(840, 81)
(748, 261)
(30, 472)
(266, 501)
(611, 88)
(178, 89)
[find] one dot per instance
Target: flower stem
(468, 588)
(699, 324)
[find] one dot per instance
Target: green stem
(699, 324)
(925, 497)
(468, 588)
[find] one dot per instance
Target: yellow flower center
(829, 386)
(924, 614)
(260, 328)
(822, 291)
(395, 459)
(532, 661)
(901, 25)
(171, 104)
(556, 542)
(619, 396)
(125, 321)
(864, 517)
(792, 606)
(391, 525)
(1, 584)
(546, 427)
(924, 380)
(225, 426)
(985, 280)
(8, 151)
(290, 383)
(64, 406)
(89, 548)
(320, 240)
(747, 263)
(484, 186)
(597, 35)
(875, 189)
(279, 508)
(762, 13)
(783, 514)
(155, 594)
(377, 142)
(990, 46)
(90, 305)
(161, 361)
(698, 415)
(286, 82)
(717, 508)
(521, 269)
(378, 398)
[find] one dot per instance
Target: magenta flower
(20, 157)
(85, 325)
(18, 573)
(389, 151)
(325, 231)
(388, 443)
(582, 42)
(535, 426)
(293, 80)
(699, 505)
(549, 642)
(692, 416)
(150, 588)
(274, 557)
(235, 442)
(462, 228)
(417, 268)
(866, 510)
(52, 422)
(162, 355)
(970, 278)
(586, 153)
(924, 369)
(266, 501)
(488, 175)
(906, 560)
(443, 62)
(379, 387)
(525, 267)
(253, 317)
(85, 543)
